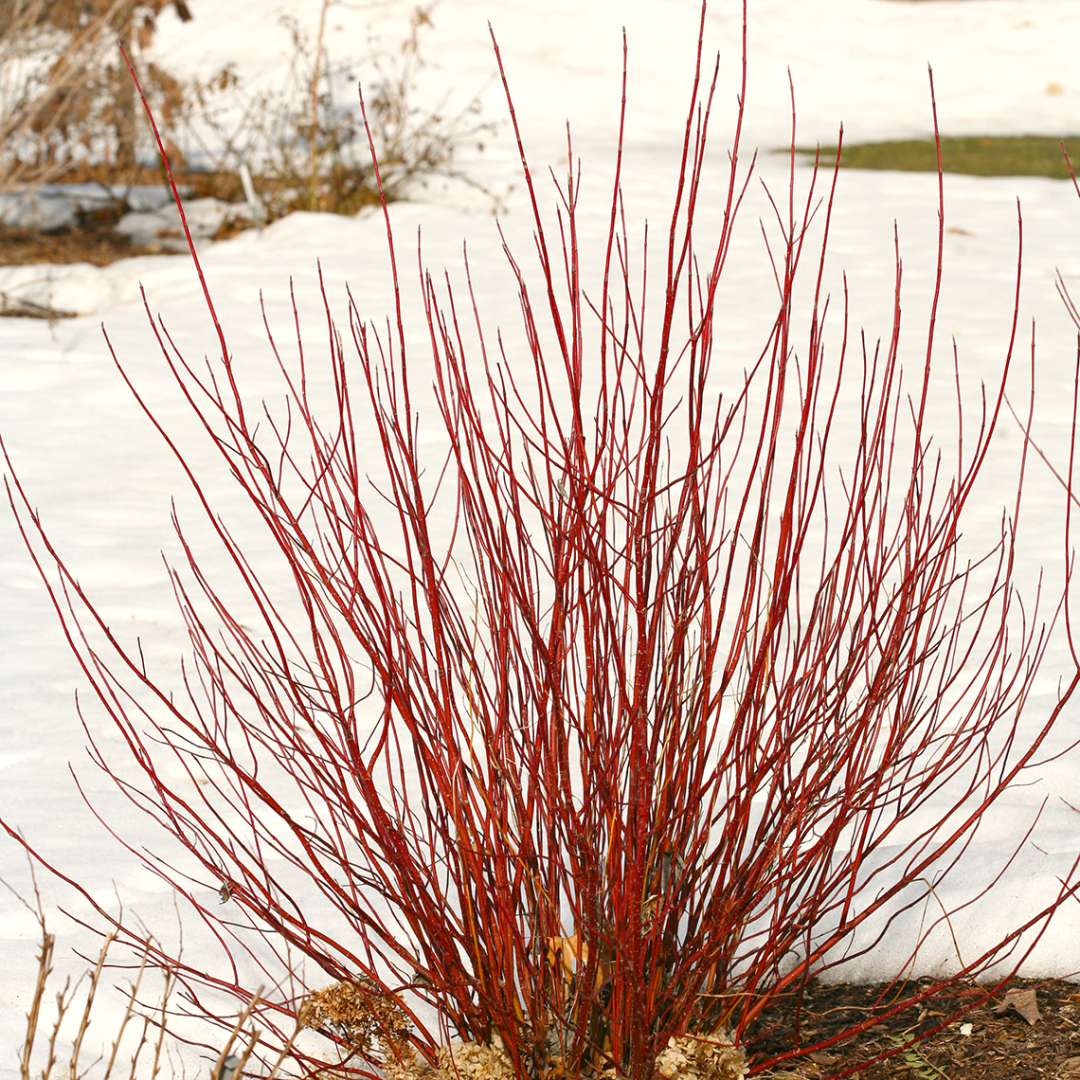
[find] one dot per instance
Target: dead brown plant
(65, 97)
(137, 1046)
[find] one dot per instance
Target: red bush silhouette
(622, 730)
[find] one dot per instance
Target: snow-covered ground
(103, 481)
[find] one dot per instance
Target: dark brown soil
(91, 242)
(996, 1047)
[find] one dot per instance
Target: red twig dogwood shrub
(617, 717)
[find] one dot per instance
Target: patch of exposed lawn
(973, 155)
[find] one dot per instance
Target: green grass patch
(973, 155)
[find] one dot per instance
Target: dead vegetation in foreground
(1031, 1031)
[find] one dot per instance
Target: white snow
(103, 481)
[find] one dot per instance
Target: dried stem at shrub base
(684, 1058)
(705, 708)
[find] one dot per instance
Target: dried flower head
(694, 1057)
(460, 1061)
(474, 1061)
(690, 1058)
(360, 1012)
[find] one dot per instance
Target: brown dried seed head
(360, 1011)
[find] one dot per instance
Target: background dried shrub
(303, 140)
(68, 113)
(66, 101)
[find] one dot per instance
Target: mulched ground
(1001, 1046)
